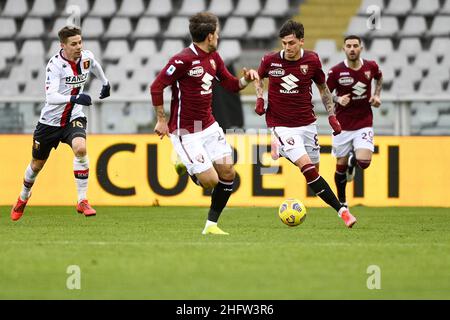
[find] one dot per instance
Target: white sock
(28, 181)
(341, 210)
(81, 172)
(210, 223)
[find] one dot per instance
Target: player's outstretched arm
(259, 107)
(97, 70)
(249, 76)
(327, 99)
(375, 100)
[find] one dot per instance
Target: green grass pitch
(159, 253)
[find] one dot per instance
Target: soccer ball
(292, 212)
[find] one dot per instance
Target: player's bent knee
(37, 165)
(79, 151)
(363, 164)
(228, 175)
(209, 183)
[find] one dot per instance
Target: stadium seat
(33, 65)
(116, 119)
(191, 7)
(427, 115)
(440, 46)
(430, 86)
(263, 28)
(159, 8)
(2, 63)
(412, 73)
(275, 8)
(235, 27)
(247, 8)
(83, 5)
(147, 27)
(58, 24)
(35, 88)
(8, 28)
(388, 73)
(43, 8)
(398, 8)
(171, 47)
(94, 47)
(8, 49)
(116, 49)
(178, 28)
(116, 74)
(325, 48)
(19, 73)
(389, 27)
(440, 27)
(92, 28)
(445, 63)
(402, 87)
(426, 7)
(119, 27)
(129, 88)
(410, 46)
(144, 48)
(383, 118)
(142, 112)
(444, 123)
(424, 60)
(381, 47)
(445, 9)
(367, 3)
(157, 62)
(131, 8)
(442, 73)
(8, 88)
(54, 48)
(31, 28)
(415, 26)
(397, 60)
(103, 8)
(32, 47)
(221, 8)
(144, 75)
(15, 9)
(336, 58)
(229, 50)
(130, 62)
(357, 26)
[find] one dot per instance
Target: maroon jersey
(290, 90)
(191, 73)
(358, 113)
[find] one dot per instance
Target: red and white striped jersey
(64, 79)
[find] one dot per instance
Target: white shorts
(344, 142)
(293, 143)
(199, 150)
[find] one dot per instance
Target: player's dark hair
(352, 37)
(67, 32)
(202, 24)
(292, 27)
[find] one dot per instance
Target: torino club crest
(304, 68)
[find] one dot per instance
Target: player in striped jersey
(62, 118)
